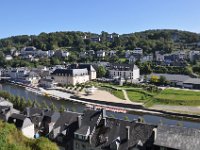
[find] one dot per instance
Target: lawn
(118, 93)
(178, 97)
(166, 97)
(138, 96)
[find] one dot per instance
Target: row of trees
(149, 67)
(20, 103)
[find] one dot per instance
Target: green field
(137, 96)
(178, 97)
(118, 93)
(164, 97)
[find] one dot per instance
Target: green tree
(53, 107)
(29, 103)
(44, 105)
(101, 71)
(162, 80)
(62, 109)
(154, 79)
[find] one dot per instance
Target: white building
(83, 54)
(192, 54)
(124, 71)
(47, 83)
(138, 51)
(8, 57)
(65, 54)
(147, 58)
(159, 57)
(70, 76)
(112, 53)
(128, 53)
(23, 123)
(101, 53)
(16, 73)
(51, 53)
(29, 51)
(132, 59)
(41, 53)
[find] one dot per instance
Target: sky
(20, 17)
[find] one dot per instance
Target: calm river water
(152, 119)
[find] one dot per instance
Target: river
(151, 119)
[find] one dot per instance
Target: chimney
(27, 111)
(155, 133)
(90, 139)
(79, 121)
(128, 132)
(106, 139)
(104, 122)
(103, 113)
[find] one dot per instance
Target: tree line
(149, 41)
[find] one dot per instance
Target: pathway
(125, 95)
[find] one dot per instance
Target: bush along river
(74, 106)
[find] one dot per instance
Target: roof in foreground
(178, 137)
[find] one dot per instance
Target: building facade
(124, 71)
(70, 76)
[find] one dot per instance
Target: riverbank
(80, 107)
(104, 102)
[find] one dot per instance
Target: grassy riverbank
(176, 97)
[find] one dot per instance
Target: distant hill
(150, 40)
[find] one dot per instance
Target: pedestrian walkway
(125, 95)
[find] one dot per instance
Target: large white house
(70, 76)
(74, 74)
(124, 71)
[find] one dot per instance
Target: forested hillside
(150, 41)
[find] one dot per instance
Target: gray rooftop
(178, 137)
(192, 81)
(171, 77)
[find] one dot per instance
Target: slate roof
(35, 114)
(17, 119)
(83, 130)
(4, 110)
(46, 80)
(123, 67)
(30, 48)
(70, 72)
(33, 111)
(66, 118)
(116, 129)
(52, 114)
(89, 67)
(89, 120)
(178, 137)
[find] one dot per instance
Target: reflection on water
(152, 119)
